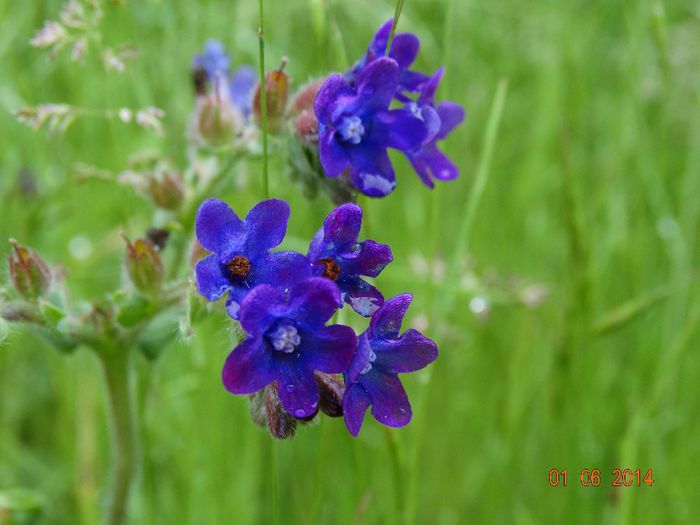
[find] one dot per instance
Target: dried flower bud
(167, 189)
(277, 93)
(30, 275)
(159, 237)
(144, 265)
(331, 391)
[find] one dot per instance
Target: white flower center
(415, 109)
(370, 359)
(351, 129)
(285, 338)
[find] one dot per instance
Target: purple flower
(241, 85)
(288, 341)
(427, 159)
(404, 49)
(214, 60)
(356, 127)
(381, 354)
(337, 255)
(242, 258)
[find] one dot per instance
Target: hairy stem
(119, 385)
(263, 101)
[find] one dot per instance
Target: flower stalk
(119, 386)
(263, 103)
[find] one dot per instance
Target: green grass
(592, 188)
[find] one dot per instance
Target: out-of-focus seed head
(277, 95)
(144, 265)
(29, 274)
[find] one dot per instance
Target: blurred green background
(567, 320)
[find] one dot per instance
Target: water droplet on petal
(300, 412)
(290, 388)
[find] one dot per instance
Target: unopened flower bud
(144, 265)
(331, 391)
(30, 275)
(280, 424)
(306, 96)
(277, 93)
(216, 120)
(167, 189)
(306, 126)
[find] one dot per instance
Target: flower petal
(329, 349)
(410, 352)
(283, 269)
(266, 224)
(370, 261)
(371, 171)
(335, 94)
(211, 283)
(296, 386)
(317, 246)
(399, 129)
(360, 360)
(386, 322)
(412, 81)
(262, 305)
(248, 368)
(430, 87)
(390, 405)
(404, 49)
(342, 226)
(355, 404)
(364, 298)
(437, 163)
(241, 87)
(334, 159)
(377, 84)
(451, 116)
(314, 301)
(381, 38)
(217, 225)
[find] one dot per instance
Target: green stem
(116, 366)
(398, 476)
(397, 15)
(263, 100)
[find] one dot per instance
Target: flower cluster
(356, 122)
(291, 359)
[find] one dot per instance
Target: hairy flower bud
(144, 265)
(29, 274)
(216, 120)
(330, 394)
(167, 189)
(280, 424)
(277, 93)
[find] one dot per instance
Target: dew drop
(290, 388)
(300, 412)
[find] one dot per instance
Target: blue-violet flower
(242, 257)
(427, 159)
(288, 341)
(381, 354)
(356, 127)
(336, 254)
